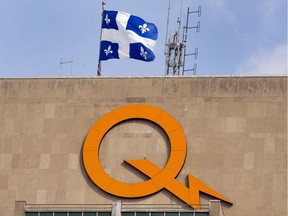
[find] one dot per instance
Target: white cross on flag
(127, 36)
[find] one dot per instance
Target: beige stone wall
(235, 128)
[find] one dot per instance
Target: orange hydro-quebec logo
(159, 178)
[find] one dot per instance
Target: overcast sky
(239, 37)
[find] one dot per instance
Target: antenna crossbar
(67, 62)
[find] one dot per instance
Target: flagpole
(99, 61)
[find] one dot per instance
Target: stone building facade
(235, 130)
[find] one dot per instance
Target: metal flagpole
(99, 61)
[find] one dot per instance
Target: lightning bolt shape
(190, 195)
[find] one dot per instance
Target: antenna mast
(67, 62)
(167, 27)
(185, 30)
(175, 51)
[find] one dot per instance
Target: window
(142, 213)
(201, 214)
(127, 213)
(157, 213)
(75, 213)
(172, 213)
(68, 214)
(104, 213)
(123, 213)
(89, 214)
(186, 214)
(193, 213)
(60, 214)
(46, 213)
(31, 214)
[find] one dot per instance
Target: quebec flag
(127, 36)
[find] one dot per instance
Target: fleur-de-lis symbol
(143, 53)
(143, 28)
(107, 20)
(108, 50)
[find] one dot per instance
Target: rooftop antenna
(173, 47)
(67, 62)
(185, 30)
(167, 27)
(175, 51)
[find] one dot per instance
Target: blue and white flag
(127, 36)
